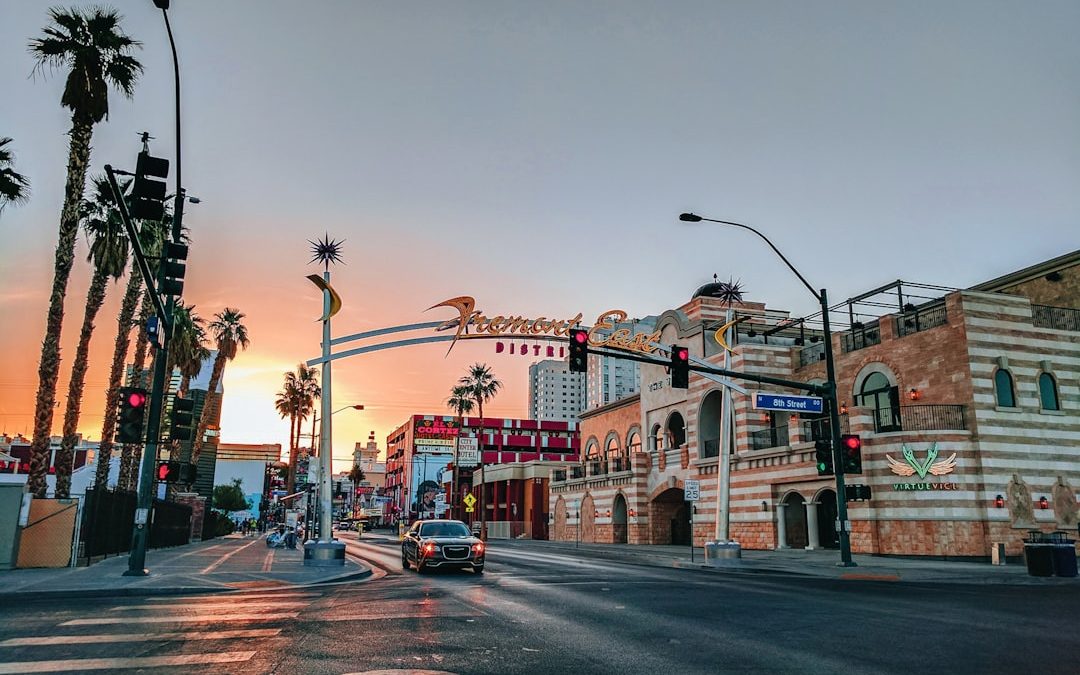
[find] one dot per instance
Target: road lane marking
(269, 562)
(129, 662)
(239, 604)
(138, 637)
(101, 621)
(240, 596)
(388, 616)
(216, 564)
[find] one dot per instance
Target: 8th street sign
(787, 402)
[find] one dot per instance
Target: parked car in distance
(442, 543)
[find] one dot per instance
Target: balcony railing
(558, 476)
(923, 318)
(577, 472)
(860, 336)
(620, 463)
(812, 354)
(774, 437)
(920, 418)
(1058, 318)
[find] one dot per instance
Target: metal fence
(109, 517)
(773, 437)
(812, 354)
(924, 318)
(860, 337)
(920, 418)
(1058, 318)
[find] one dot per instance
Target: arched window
(634, 443)
(1048, 395)
(880, 395)
(612, 448)
(676, 430)
(1003, 389)
(592, 451)
(656, 439)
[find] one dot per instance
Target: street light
(827, 391)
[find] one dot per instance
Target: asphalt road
(554, 613)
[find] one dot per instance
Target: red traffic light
(682, 354)
(136, 399)
(852, 443)
(163, 471)
(580, 336)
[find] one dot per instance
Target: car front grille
(455, 552)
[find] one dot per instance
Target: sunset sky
(536, 155)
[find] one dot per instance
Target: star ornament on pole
(326, 251)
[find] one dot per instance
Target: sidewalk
(230, 563)
(820, 563)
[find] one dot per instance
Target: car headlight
(478, 548)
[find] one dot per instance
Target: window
(880, 395)
(1048, 396)
(1003, 389)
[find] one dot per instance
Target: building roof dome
(728, 291)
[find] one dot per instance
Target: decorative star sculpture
(730, 292)
(326, 251)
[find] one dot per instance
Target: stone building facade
(967, 406)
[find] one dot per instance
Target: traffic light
(175, 472)
(680, 367)
(172, 278)
(858, 493)
(823, 452)
(579, 351)
(180, 424)
(148, 193)
(129, 426)
(851, 445)
(168, 472)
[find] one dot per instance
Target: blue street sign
(788, 402)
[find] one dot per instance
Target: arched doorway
(560, 520)
(709, 425)
(795, 521)
(670, 518)
(828, 537)
(587, 520)
(881, 395)
(618, 520)
(676, 430)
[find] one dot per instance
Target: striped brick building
(967, 405)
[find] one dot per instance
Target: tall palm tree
(108, 253)
(460, 400)
(307, 380)
(481, 385)
(14, 187)
(229, 335)
(286, 405)
(97, 54)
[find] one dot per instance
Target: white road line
(385, 616)
(101, 621)
(240, 596)
(130, 662)
(138, 637)
(238, 605)
(216, 564)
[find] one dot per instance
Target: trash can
(1064, 555)
(1039, 554)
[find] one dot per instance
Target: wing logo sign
(911, 466)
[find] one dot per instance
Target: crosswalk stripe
(386, 616)
(215, 606)
(240, 597)
(101, 621)
(138, 637)
(128, 662)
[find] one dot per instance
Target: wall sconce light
(999, 502)
(794, 417)
(764, 417)
(914, 394)
(843, 408)
(1044, 503)
(764, 506)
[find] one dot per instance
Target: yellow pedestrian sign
(469, 509)
(469, 500)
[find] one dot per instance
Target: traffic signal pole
(834, 432)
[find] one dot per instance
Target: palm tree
(286, 405)
(149, 234)
(481, 385)
(460, 400)
(229, 335)
(108, 253)
(96, 52)
(187, 352)
(14, 187)
(297, 401)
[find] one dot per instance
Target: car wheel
(420, 568)
(404, 561)
(478, 570)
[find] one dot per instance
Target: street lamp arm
(694, 218)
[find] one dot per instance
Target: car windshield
(444, 530)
